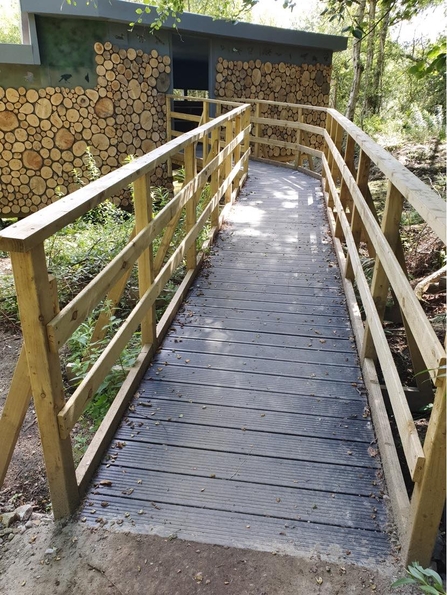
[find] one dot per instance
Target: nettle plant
(426, 579)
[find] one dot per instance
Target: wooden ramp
(251, 428)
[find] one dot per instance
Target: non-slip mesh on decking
(251, 428)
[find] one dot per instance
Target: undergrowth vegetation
(75, 256)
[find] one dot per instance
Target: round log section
(284, 82)
(45, 133)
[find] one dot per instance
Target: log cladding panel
(45, 133)
(277, 81)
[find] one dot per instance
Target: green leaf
(434, 576)
(428, 589)
(139, 11)
(416, 571)
(358, 33)
(403, 581)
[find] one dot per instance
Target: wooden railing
(291, 153)
(345, 163)
(46, 329)
(347, 160)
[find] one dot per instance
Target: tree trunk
(376, 104)
(357, 66)
(369, 90)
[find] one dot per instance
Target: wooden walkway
(251, 428)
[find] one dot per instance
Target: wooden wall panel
(44, 133)
(285, 82)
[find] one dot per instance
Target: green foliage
(79, 251)
(426, 579)
(82, 356)
(10, 31)
(434, 62)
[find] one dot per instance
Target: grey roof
(121, 11)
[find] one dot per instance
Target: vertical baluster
(257, 128)
(143, 215)
(356, 221)
(246, 143)
(379, 284)
(237, 150)
(168, 130)
(298, 156)
(215, 178)
(205, 120)
(190, 173)
(229, 135)
(344, 190)
(428, 498)
(34, 296)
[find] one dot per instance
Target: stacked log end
(289, 83)
(45, 133)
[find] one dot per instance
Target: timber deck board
(251, 426)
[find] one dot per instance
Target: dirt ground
(25, 481)
(60, 559)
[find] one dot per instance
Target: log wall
(45, 132)
(306, 83)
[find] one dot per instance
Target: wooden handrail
(49, 329)
(27, 233)
(427, 203)
(353, 218)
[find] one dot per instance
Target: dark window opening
(190, 76)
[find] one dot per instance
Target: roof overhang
(191, 24)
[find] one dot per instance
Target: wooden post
(18, 400)
(428, 499)
(257, 128)
(14, 411)
(143, 216)
(336, 133)
(356, 222)
(190, 173)
(298, 155)
(215, 178)
(205, 120)
(36, 311)
(344, 191)
(379, 284)
(229, 135)
(169, 130)
(237, 150)
(246, 143)
(330, 123)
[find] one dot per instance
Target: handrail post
(257, 128)
(237, 150)
(36, 311)
(380, 284)
(169, 130)
(214, 185)
(229, 135)
(356, 221)
(298, 156)
(143, 216)
(428, 499)
(246, 143)
(190, 173)
(344, 190)
(205, 120)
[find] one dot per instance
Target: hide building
(83, 79)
